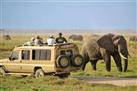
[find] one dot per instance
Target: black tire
(24, 75)
(77, 61)
(63, 61)
(2, 72)
(39, 73)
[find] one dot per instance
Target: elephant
(103, 48)
(133, 38)
(6, 37)
(76, 37)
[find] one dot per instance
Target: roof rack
(45, 44)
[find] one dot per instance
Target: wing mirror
(12, 58)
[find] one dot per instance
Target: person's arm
(56, 40)
(65, 40)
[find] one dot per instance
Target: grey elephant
(133, 38)
(7, 37)
(103, 48)
(76, 37)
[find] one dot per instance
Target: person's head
(60, 34)
(32, 39)
(37, 37)
(51, 36)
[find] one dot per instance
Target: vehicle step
(19, 74)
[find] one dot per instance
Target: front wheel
(2, 72)
(39, 73)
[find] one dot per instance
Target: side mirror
(14, 58)
(10, 58)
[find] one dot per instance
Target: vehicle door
(13, 65)
(42, 58)
(26, 65)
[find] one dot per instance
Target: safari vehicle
(59, 59)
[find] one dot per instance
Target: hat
(37, 36)
(51, 36)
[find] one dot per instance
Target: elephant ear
(106, 43)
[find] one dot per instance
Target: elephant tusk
(123, 56)
(121, 53)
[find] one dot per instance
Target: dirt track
(112, 81)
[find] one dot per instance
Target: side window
(48, 54)
(14, 55)
(69, 53)
(41, 54)
(66, 52)
(25, 55)
(35, 54)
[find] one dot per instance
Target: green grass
(50, 83)
(101, 72)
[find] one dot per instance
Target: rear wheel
(77, 60)
(2, 72)
(39, 73)
(63, 61)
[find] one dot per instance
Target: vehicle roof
(45, 46)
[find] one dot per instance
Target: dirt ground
(112, 81)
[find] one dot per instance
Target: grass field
(50, 83)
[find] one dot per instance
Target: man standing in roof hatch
(61, 39)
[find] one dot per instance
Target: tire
(77, 61)
(39, 73)
(63, 61)
(24, 75)
(2, 72)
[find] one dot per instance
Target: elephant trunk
(125, 65)
(124, 55)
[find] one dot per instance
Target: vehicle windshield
(14, 55)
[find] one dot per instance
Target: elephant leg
(107, 60)
(93, 63)
(86, 60)
(117, 60)
(84, 65)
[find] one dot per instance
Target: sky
(68, 14)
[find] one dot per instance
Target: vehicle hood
(3, 60)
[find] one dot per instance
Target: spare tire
(63, 61)
(77, 60)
